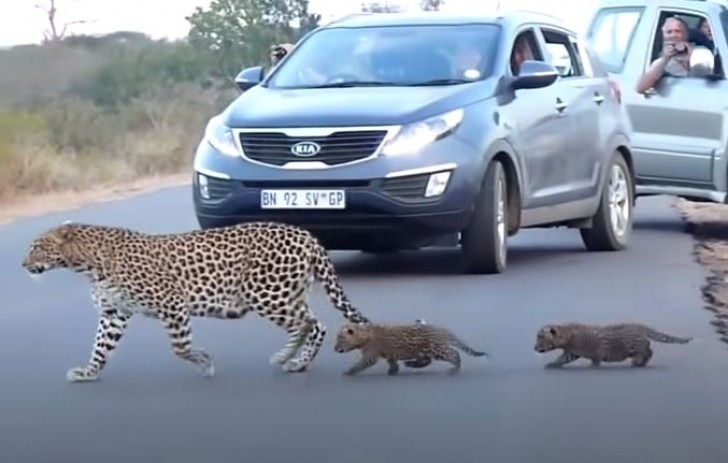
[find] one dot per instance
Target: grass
(72, 145)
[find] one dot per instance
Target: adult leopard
(264, 267)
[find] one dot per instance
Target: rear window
(610, 35)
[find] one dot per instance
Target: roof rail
(350, 15)
(536, 12)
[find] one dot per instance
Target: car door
(538, 121)
(679, 131)
(581, 94)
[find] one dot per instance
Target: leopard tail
(325, 272)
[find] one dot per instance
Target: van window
(610, 35)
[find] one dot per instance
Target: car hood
(263, 107)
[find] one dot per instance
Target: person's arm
(653, 74)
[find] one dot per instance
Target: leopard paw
(295, 366)
(81, 374)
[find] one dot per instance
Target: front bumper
(385, 199)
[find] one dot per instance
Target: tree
(431, 5)
(50, 10)
(239, 33)
(380, 7)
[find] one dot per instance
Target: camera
(680, 48)
(278, 52)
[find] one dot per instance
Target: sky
(21, 22)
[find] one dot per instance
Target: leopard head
(54, 248)
(352, 336)
(549, 337)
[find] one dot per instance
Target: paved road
(151, 407)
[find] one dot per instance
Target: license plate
(302, 199)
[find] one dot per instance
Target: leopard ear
(64, 232)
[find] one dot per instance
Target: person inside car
(279, 51)
(675, 57)
(521, 52)
(704, 27)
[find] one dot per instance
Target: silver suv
(680, 126)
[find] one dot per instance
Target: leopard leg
(179, 329)
(296, 328)
(393, 366)
(563, 359)
(366, 361)
(421, 362)
(314, 339)
(452, 356)
(642, 358)
(109, 331)
(305, 332)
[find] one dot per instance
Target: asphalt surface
(149, 406)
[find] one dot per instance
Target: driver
(334, 67)
(521, 52)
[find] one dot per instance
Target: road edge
(707, 224)
(37, 205)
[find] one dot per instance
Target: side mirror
(249, 77)
(702, 62)
(534, 74)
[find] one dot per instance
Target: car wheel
(484, 242)
(612, 224)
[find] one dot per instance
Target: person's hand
(668, 50)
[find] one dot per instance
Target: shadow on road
(671, 225)
(439, 261)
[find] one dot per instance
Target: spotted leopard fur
(224, 273)
(417, 342)
(601, 343)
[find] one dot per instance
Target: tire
(484, 244)
(611, 230)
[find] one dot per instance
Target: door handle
(649, 92)
(561, 106)
(598, 99)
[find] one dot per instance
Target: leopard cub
(417, 343)
(601, 343)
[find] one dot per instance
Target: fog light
(202, 182)
(437, 183)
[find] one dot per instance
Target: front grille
(337, 148)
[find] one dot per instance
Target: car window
(585, 60)
(562, 54)
(700, 29)
(399, 55)
(610, 35)
(525, 47)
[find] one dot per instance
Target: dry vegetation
(74, 145)
(708, 222)
(76, 117)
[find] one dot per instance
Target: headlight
(220, 137)
(413, 137)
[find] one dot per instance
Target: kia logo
(305, 149)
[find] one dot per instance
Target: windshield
(392, 55)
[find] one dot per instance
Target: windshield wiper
(427, 83)
(355, 83)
